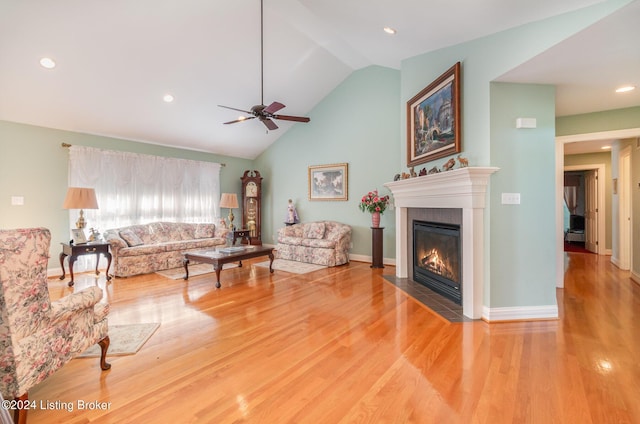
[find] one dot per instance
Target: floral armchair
(37, 336)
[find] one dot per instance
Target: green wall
(516, 247)
(523, 236)
(527, 167)
(357, 124)
(33, 164)
(607, 120)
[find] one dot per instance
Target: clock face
(251, 190)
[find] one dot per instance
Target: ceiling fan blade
(273, 108)
(292, 118)
(269, 124)
(240, 120)
(239, 110)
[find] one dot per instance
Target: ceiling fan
(265, 113)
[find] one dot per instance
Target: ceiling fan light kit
(265, 114)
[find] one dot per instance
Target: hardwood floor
(343, 345)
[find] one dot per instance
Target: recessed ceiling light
(389, 30)
(625, 89)
(168, 98)
(47, 62)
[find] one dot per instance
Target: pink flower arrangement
(373, 202)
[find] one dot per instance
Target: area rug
(125, 339)
(291, 266)
(196, 269)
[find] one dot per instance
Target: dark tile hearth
(444, 307)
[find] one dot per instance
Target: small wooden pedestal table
(91, 248)
(376, 247)
(221, 256)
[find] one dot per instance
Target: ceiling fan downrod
(265, 114)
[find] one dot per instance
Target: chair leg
(104, 346)
(20, 414)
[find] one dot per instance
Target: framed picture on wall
(433, 119)
(328, 182)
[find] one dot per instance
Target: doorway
(575, 206)
(590, 205)
(560, 142)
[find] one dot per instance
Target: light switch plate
(17, 200)
(510, 198)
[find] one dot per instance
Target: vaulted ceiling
(117, 59)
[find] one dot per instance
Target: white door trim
(624, 209)
(560, 141)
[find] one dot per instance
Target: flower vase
(375, 219)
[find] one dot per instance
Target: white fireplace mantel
(463, 188)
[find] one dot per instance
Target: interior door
(591, 211)
(624, 197)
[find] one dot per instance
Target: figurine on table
(292, 214)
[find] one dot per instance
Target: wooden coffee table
(221, 256)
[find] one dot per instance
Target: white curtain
(571, 199)
(134, 188)
(571, 183)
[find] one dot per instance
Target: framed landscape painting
(328, 182)
(433, 119)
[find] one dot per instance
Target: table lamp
(80, 198)
(229, 200)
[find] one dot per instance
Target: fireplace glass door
(437, 258)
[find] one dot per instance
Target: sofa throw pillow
(205, 231)
(314, 230)
(131, 238)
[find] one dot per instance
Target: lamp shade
(229, 200)
(80, 198)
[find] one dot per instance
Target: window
(133, 188)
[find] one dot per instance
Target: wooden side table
(243, 235)
(376, 247)
(92, 248)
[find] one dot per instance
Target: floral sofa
(142, 249)
(322, 243)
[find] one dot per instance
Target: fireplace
(437, 258)
(463, 189)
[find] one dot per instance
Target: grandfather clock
(252, 205)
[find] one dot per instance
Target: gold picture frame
(433, 120)
(329, 182)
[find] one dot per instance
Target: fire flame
(434, 263)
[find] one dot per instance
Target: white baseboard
(366, 258)
(615, 261)
(521, 313)
(635, 277)
(54, 272)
